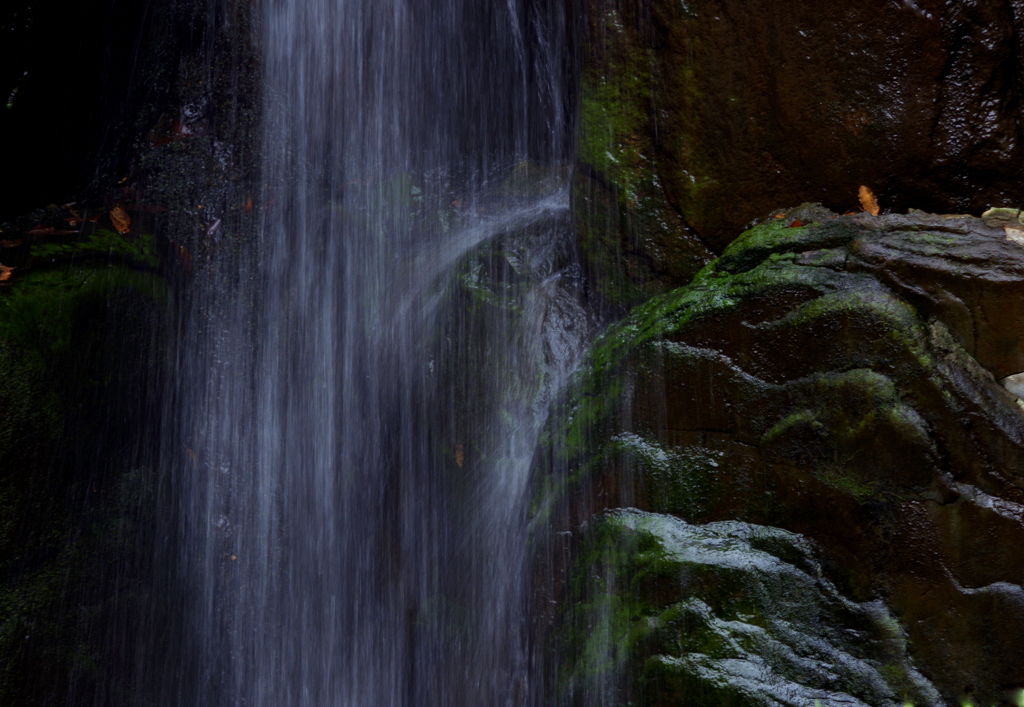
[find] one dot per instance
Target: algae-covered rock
(724, 614)
(697, 117)
(836, 379)
(633, 237)
(80, 362)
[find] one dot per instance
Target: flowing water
(359, 397)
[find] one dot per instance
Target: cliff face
(697, 117)
(837, 380)
(847, 378)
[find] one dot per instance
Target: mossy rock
(836, 378)
(666, 613)
(698, 117)
(78, 351)
(635, 242)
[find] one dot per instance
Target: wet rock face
(699, 116)
(838, 380)
(726, 613)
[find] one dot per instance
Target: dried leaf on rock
(868, 202)
(120, 218)
(460, 455)
(9, 244)
(5, 273)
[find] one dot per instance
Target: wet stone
(730, 613)
(852, 379)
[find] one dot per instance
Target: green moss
(73, 343)
(615, 100)
(663, 612)
(682, 481)
(39, 311)
(776, 236)
(632, 237)
(610, 131)
(714, 292)
(139, 251)
(760, 266)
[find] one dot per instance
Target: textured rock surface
(726, 613)
(699, 116)
(837, 380)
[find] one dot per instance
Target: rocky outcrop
(726, 613)
(697, 117)
(838, 380)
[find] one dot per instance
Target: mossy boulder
(80, 361)
(727, 613)
(697, 117)
(836, 379)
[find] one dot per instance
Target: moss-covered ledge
(837, 377)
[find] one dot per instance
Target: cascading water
(361, 395)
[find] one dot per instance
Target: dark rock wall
(151, 108)
(697, 117)
(838, 380)
(87, 85)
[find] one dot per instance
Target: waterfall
(359, 396)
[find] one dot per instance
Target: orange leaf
(120, 218)
(5, 274)
(9, 244)
(248, 205)
(868, 202)
(796, 224)
(460, 455)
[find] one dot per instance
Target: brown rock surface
(702, 115)
(837, 380)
